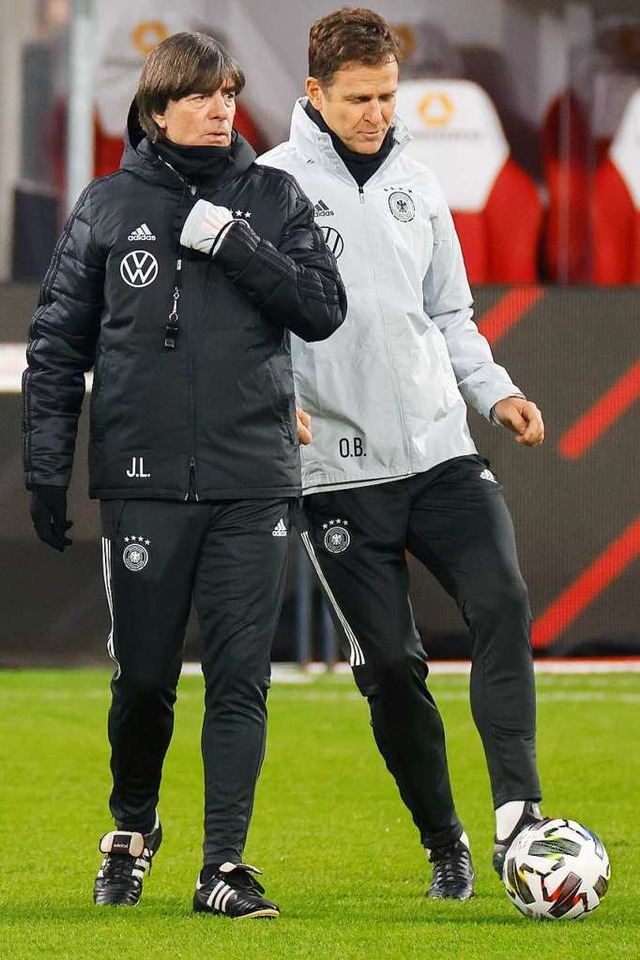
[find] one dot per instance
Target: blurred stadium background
(529, 111)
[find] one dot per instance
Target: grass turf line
(339, 851)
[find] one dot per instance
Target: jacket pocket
(283, 403)
(111, 517)
(100, 381)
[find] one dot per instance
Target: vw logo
(333, 240)
(139, 268)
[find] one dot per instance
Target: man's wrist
(493, 418)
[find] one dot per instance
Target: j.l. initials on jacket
(137, 469)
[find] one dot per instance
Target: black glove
(49, 515)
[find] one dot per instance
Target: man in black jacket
(178, 279)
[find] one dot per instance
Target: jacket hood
(140, 158)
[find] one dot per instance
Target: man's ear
(314, 92)
(160, 119)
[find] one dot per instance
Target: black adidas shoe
(128, 859)
(453, 875)
(530, 815)
(232, 891)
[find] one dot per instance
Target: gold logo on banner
(436, 109)
(407, 40)
(147, 34)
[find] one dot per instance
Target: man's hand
(523, 417)
(303, 422)
(205, 228)
(49, 515)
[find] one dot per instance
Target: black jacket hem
(210, 493)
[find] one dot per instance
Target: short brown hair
(182, 64)
(350, 35)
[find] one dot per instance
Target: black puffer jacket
(214, 417)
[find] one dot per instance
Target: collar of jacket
(144, 162)
(198, 165)
(141, 158)
(316, 145)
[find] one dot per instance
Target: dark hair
(182, 64)
(350, 35)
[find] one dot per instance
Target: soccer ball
(556, 870)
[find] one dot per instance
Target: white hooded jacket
(386, 392)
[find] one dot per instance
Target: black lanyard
(171, 329)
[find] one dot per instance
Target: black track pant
(229, 558)
(453, 519)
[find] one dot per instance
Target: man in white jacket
(392, 466)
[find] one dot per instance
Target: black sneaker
(453, 875)
(233, 892)
(128, 858)
(530, 815)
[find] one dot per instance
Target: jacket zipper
(192, 487)
(389, 351)
(171, 332)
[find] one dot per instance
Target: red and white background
(548, 155)
(530, 116)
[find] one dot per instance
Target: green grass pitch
(340, 854)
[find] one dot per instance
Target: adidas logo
(141, 233)
(322, 210)
(280, 529)
(487, 475)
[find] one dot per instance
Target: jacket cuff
(221, 236)
(240, 245)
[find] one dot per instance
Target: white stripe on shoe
(213, 893)
(223, 894)
(223, 905)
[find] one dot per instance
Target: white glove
(206, 227)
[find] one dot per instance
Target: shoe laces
(240, 878)
(450, 863)
(119, 866)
